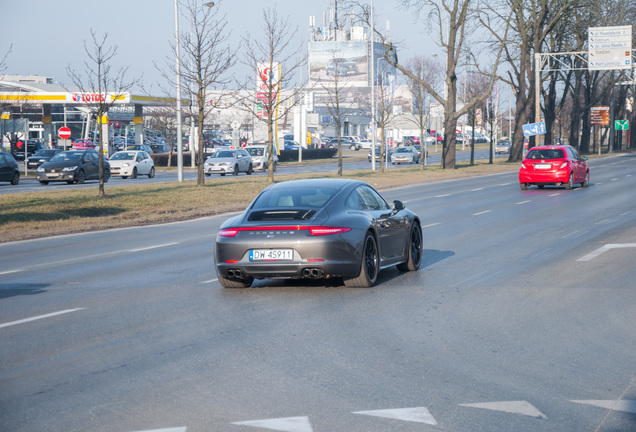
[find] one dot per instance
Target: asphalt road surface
(521, 318)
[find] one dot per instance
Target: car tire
(415, 250)
(223, 174)
(586, 182)
(234, 283)
(352, 147)
(524, 186)
(236, 170)
(15, 179)
(369, 266)
(124, 177)
(81, 177)
(208, 174)
(134, 173)
(275, 165)
(570, 184)
(43, 182)
(249, 170)
(151, 174)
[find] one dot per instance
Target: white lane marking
(513, 407)
(442, 196)
(417, 414)
(208, 281)
(628, 175)
(430, 225)
(605, 248)
(614, 405)
(153, 247)
(22, 321)
(478, 189)
(554, 194)
(85, 257)
(11, 271)
(614, 179)
(524, 202)
(286, 424)
(177, 429)
(481, 213)
(505, 184)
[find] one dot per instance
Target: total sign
(268, 76)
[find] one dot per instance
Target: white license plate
(52, 174)
(271, 254)
(542, 166)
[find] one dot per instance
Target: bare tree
(208, 59)
(531, 21)
(452, 19)
(384, 113)
(428, 70)
(106, 85)
(274, 59)
(336, 87)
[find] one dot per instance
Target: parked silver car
(260, 157)
(232, 161)
(408, 154)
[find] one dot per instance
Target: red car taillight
(313, 230)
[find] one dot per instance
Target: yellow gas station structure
(40, 100)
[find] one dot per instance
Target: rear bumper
(561, 176)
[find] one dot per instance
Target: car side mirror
(584, 158)
(398, 205)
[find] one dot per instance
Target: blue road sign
(534, 129)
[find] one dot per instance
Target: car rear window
(295, 197)
(545, 154)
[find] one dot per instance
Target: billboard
(345, 61)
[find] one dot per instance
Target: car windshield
(123, 156)
(255, 151)
(403, 150)
(224, 154)
(545, 154)
(44, 152)
(67, 156)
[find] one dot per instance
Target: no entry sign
(64, 133)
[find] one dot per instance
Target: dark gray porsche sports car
(317, 229)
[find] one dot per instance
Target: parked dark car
(40, 157)
(72, 166)
(33, 145)
(9, 171)
(315, 229)
(160, 148)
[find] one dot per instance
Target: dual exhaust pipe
(313, 273)
(310, 273)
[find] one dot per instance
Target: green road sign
(621, 124)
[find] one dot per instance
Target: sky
(47, 36)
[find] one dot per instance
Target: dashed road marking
(416, 415)
(603, 249)
(39, 317)
(513, 407)
(286, 424)
(614, 405)
(481, 213)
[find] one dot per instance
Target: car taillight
(327, 230)
(228, 232)
(313, 230)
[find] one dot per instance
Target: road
(521, 318)
(29, 184)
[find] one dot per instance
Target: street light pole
(373, 122)
(178, 70)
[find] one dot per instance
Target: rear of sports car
(284, 243)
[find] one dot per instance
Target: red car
(554, 165)
(83, 144)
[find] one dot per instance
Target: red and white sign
(64, 133)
